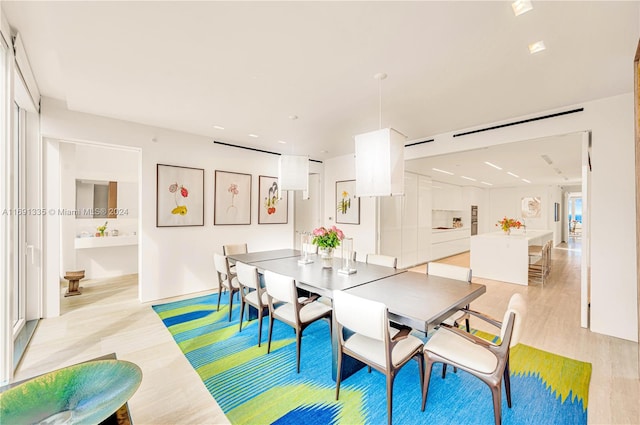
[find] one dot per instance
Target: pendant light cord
(379, 104)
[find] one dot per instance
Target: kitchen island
(502, 257)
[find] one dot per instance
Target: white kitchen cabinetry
(447, 196)
(405, 222)
(449, 242)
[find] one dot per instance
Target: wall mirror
(96, 199)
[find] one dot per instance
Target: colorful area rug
(253, 387)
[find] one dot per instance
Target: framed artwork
(531, 207)
(232, 203)
(273, 204)
(556, 211)
(347, 204)
(179, 196)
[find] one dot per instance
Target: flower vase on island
(327, 240)
(507, 223)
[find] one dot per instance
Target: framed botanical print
(347, 204)
(179, 196)
(273, 204)
(232, 204)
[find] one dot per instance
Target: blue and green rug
(253, 387)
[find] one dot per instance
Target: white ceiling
(249, 66)
(524, 159)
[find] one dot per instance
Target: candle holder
(306, 246)
(348, 266)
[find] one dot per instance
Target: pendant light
(293, 170)
(380, 158)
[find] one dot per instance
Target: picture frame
(232, 198)
(273, 203)
(531, 207)
(556, 212)
(179, 196)
(347, 204)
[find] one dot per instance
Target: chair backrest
(281, 287)
(382, 260)
(240, 248)
(518, 306)
(248, 275)
(450, 271)
(362, 316)
(221, 264)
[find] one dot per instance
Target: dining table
(417, 300)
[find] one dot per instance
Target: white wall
(613, 265)
(174, 261)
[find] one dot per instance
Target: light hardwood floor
(108, 318)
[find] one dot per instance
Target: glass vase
(326, 256)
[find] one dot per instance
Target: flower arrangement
(184, 193)
(102, 228)
(327, 238)
(507, 223)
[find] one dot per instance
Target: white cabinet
(447, 196)
(449, 242)
(405, 222)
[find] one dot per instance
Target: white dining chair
(226, 280)
(251, 293)
(483, 359)
(286, 307)
(370, 339)
(462, 274)
(382, 260)
(231, 249)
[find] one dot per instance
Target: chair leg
(390, 377)
(270, 331)
(339, 372)
(497, 402)
(298, 344)
(466, 322)
(219, 295)
(444, 370)
(425, 383)
(260, 325)
(231, 293)
(420, 358)
(507, 383)
(242, 303)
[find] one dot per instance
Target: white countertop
(519, 234)
(106, 241)
(459, 229)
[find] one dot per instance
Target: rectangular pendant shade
(293, 172)
(380, 163)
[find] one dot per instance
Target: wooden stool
(74, 282)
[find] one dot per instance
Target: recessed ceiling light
(493, 165)
(324, 151)
(469, 178)
(546, 159)
(514, 175)
(255, 136)
(487, 183)
(282, 142)
(521, 6)
(217, 127)
(536, 47)
(442, 171)
(526, 181)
